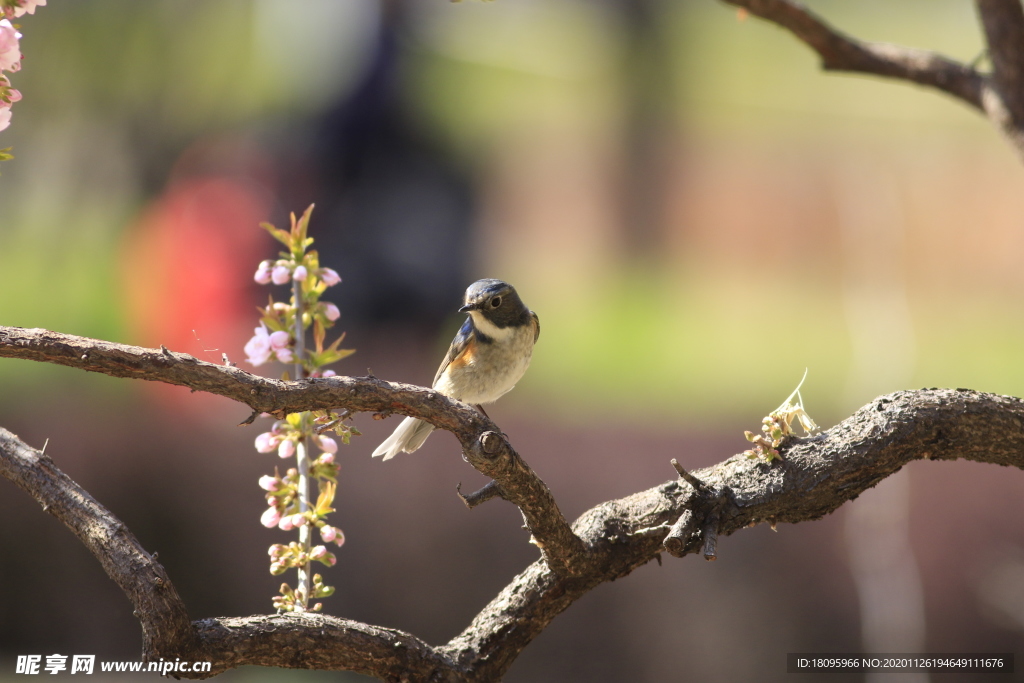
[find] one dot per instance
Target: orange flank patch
(464, 358)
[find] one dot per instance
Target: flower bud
(286, 449)
(280, 339)
(329, 276)
(265, 443)
(318, 553)
(331, 311)
(285, 523)
(280, 275)
(262, 275)
(285, 355)
(328, 533)
(258, 347)
(327, 444)
(268, 483)
(327, 459)
(299, 274)
(328, 373)
(299, 519)
(270, 518)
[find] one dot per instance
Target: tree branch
(815, 477)
(840, 52)
(1003, 21)
(482, 442)
(165, 625)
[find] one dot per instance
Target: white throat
(490, 329)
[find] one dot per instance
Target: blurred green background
(694, 209)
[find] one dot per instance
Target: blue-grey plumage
(490, 353)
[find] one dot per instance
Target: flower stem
(305, 585)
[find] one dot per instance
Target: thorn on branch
(490, 490)
(696, 483)
(249, 420)
(711, 537)
(675, 541)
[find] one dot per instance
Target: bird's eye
(495, 302)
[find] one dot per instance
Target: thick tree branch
(815, 477)
(840, 52)
(485, 448)
(165, 625)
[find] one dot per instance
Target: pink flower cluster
(10, 60)
(282, 272)
(265, 344)
(10, 54)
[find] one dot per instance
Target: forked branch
(815, 477)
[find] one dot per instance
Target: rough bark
(999, 95)
(683, 515)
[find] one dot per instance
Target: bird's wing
(459, 344)
(536, 326)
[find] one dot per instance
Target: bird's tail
(408, 437)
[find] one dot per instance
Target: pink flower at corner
(329, 276)
(270, 518)
(286, 449)
(281, 275)
(28, 7)
(331, 311)
(10, 52)
(258, 348)
(327, 444)
(268, 483)
(5, 117)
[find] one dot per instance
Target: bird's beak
(469, 307)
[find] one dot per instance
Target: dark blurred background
(695, 211)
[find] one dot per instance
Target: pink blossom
(299, 519)
(280, 275)
(286, 449)
(329, 276)
(300, 273)
(275, 550)
(328, 533)
(13, 95)
(270, 518)
(262, 275)
(328, 373)
(286, 523)
(10, 52)
(268, 483)
(279, 339)
(331, 311)
(318, 553)
(28, 6)
(327, 459)
(328, 445)
(258, 348)
(5, 117)
(265, 443)
(285, 355)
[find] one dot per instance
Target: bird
(489, 355)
